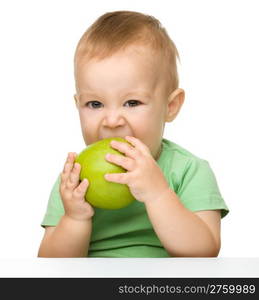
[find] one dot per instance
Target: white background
(218, 45)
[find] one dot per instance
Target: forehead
(135, 67)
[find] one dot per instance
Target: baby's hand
(144, 177)
(73, 192)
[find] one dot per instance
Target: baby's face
(122, 95)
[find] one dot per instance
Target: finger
(123, 161)
(80, 191)
(67, 168)
(137, 144)
(71, 157)
(73, 178)
(69, 162)
(121, 178)
(125, 148)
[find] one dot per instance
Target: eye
(93, 104)
(133, 103)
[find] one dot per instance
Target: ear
(174, 104)
(76, 100)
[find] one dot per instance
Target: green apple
(102, 193)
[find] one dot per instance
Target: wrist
(77, 219)
(167, 193)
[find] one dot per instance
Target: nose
(113, 119)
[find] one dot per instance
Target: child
(127, 86)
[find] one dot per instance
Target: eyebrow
(139, 92)
(136, 92)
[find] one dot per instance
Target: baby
(127, 86)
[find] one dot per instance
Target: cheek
(149, 127)
(87, 120)
(152, 119)
(153, 128)
(150, 116)
(88, 127)
(81, 117)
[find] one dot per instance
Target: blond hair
(116, 30)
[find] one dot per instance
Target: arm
(182, 232)
(71, 236)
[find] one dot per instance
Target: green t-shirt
(127, 232)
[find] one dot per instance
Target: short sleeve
(55, 209)
(199, 189)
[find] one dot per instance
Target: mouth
(114, 136)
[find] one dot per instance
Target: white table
(130, 267)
